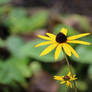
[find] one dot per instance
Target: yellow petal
(70, 84)
(69, 74)
(48, 49)
(44, 37)
(62, 82)
(43, 43)
(66, 49)
(77, 36)
(72, 50)
(73, 77)
(51, 35)
(67, 83)
(64, 31)
(79, 42)
(57, 52)
(57, 77)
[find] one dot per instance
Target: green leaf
(62, 88)
(83, 22)
(30, 51)
(22, 65)
(64, 70)
(85, 52)
(81, 85)
(17, 20)
(35, 67)
(14, 70)
(4, 10)
(90, 72)
(14, 43)
(38, 20)
(70, 30)
(17, 13)
(2, 43)
(4, 1)
(21, 23)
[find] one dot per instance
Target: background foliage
(21, 67)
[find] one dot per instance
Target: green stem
(65, 89)
(70, 70)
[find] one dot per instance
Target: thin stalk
(70, 70)
(66, 89)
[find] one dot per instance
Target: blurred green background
(21, 67)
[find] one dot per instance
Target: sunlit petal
(70, 84)
(64, 79)
(73, 77)
(44, 37)
(43, 43)
(62, 82)
(69, 74)
(77, 36)
(66, 49)
(72, 50)
(52, 36)
(64, 31)
(67, 83)
(79, 42)
(58, 78)
(48, 49)
(57, 52)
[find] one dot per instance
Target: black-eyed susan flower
(66, 79)
(60, 41)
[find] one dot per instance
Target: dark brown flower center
(60, 38)
(66, 78)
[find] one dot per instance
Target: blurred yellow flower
(60, 41)
(66, 79)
